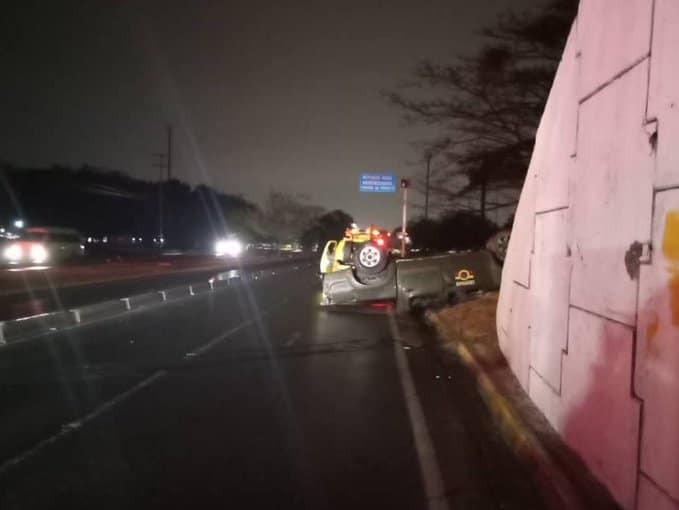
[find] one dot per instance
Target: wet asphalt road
(250, 397)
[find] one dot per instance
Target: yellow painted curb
(526, 445)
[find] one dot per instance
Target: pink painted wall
(588, 316)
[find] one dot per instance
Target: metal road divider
(37, 325)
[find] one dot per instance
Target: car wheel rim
(369, 256)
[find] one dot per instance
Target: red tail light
(379, 241)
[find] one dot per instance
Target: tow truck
(361, 268)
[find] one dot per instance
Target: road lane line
(293, 339)
(68, 428)
(206, 347)
(73, 426)
(250, 322)
(426, 455)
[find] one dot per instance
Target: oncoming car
(41, 245)
(228, 247)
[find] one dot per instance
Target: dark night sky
(261, 95)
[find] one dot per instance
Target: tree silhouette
(489, 105)
(458, 230)
(330, 225)
(286, 217)
(107, 203)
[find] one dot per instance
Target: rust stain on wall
(651, 332)
(670, 248)
(674, 296)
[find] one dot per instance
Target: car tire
(376, 279)
(369, 259)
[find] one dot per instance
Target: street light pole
(404, 186)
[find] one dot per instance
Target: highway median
(33, 326)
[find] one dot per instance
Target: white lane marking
(426, 455)
(71, 427)
(293, 339)
(206, 347)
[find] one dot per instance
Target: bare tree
(489, 105)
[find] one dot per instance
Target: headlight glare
(13, 253)
(229, 247)
(38, 253)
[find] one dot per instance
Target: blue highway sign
(378, 183)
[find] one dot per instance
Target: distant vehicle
(228, 247)
(290, 248)
(264, 247)
(40, 245)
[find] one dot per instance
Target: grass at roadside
(468, 331)
(472, 323)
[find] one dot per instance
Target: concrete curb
(557, 485)
(145, 299)
(26, 328)
(35, 324)
(89, 313)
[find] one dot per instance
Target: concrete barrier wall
(36, 326)
(588, 315)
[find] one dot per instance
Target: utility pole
(163, 161)
(426, 190)
(160, 163)
(169, 152)
(168, 209)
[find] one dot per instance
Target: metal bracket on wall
(646, 250)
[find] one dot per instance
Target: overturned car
(352, 277)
